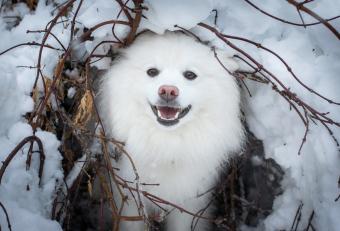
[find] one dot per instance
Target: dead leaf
(84, 110)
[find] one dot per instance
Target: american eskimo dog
(177, 110)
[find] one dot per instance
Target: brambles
(65, 105)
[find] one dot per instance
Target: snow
(311, 178)
(27, 209)
(313, 53)
(164, 15)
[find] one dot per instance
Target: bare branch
(15, 151)
(288, 22)
(300, 6)
(7, 217)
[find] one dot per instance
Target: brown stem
(88, 33)
(124, 9)
(7, 217)
(15, 151)
(28, 44)
(135, 23)
(285, 21)
(316, 16)
(61, 12)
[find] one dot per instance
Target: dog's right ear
(225, 60)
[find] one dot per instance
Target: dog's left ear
(228, 62)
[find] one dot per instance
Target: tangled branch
(30, 139)
(300, 7)
(289, 22)
(76, 122)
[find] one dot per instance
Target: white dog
(177, 110)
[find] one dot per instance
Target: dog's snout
(168, 92)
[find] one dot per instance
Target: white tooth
(177, 114)
(159, 113)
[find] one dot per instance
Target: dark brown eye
(189, 75)
(152, 72)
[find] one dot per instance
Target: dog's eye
(152, 72)
(189, 75)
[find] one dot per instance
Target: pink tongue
(168, 112)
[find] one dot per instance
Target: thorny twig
(297, 218)
(35, 115)
(125, 10)
(16, 150)
(51, 24)
(29, 44)
(134, 16)
(52, 34)
(301, 7)
(286, 93)
(7, 217)
(336, 199)
(135, 22)
(288, 22)
(309, 225)
(73, 23)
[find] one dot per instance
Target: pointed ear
(227, 61)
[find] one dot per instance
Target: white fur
(185, 158)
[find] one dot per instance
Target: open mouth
(169, 116)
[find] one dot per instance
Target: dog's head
(169, 82)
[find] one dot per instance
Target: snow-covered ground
(313, 53)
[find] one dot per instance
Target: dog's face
(168, 82)
(174, 85)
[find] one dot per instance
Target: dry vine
(81, 122)
(7, 217)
